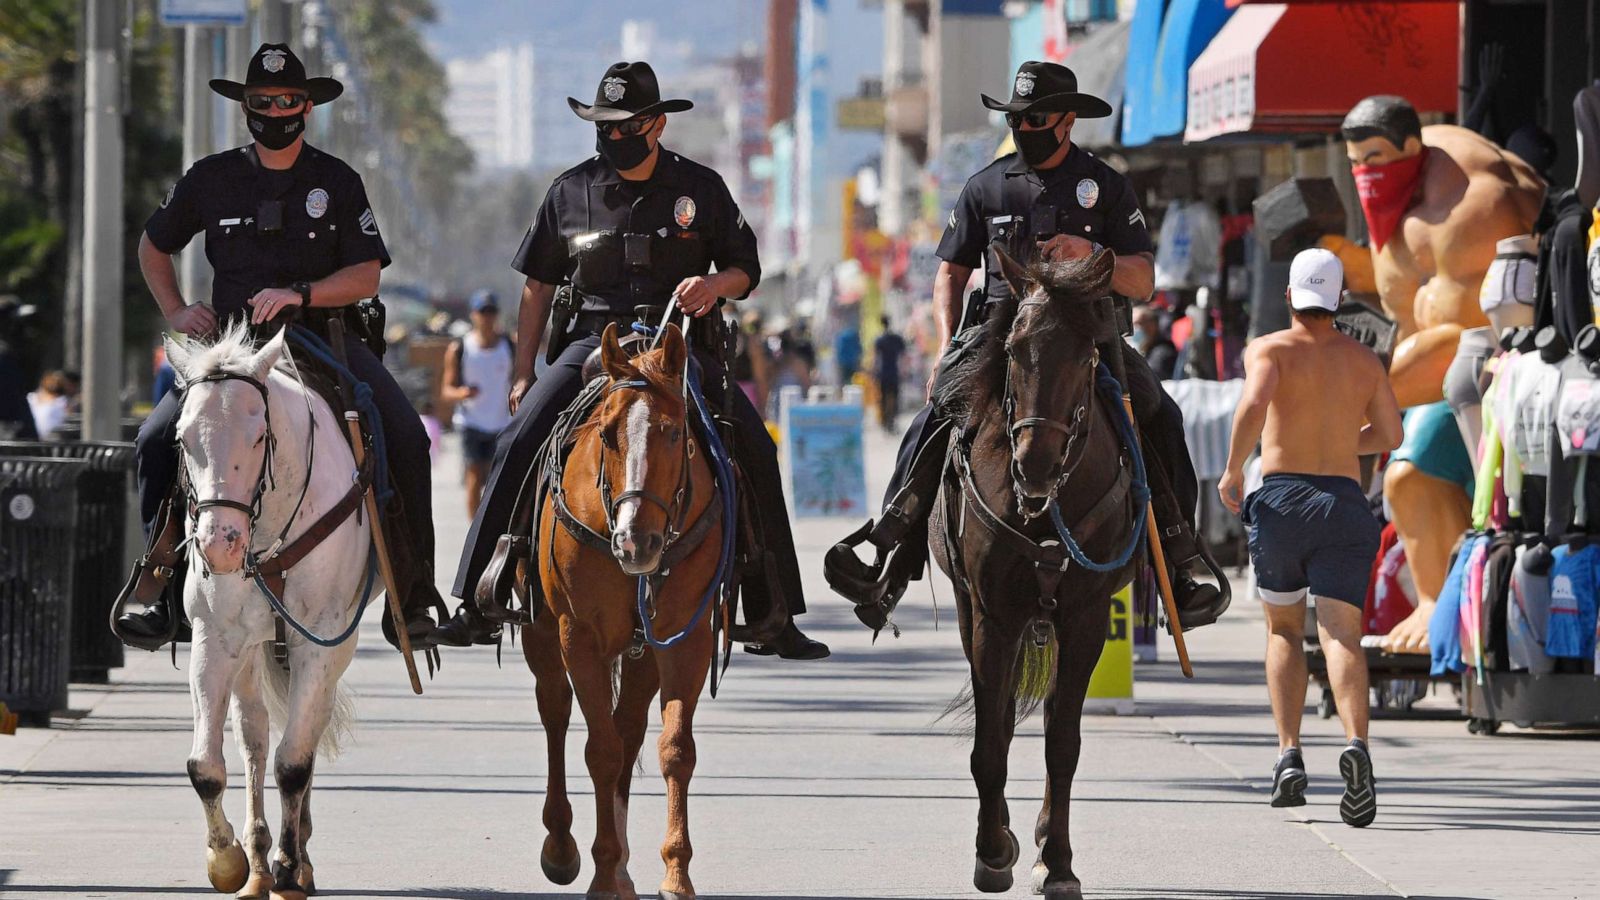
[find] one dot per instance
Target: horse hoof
(1064, 890)
(288, 894)
(997, 879)
(257, 888)
(227, 868)
(674, 895)
(561, 873)
(307, 879)
(1041, 872)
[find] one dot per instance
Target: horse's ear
(674, 351)
(268, 355)
(612, 357)
(177, 350)
(1012, 271)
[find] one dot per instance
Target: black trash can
(99, 547)
(38, 523)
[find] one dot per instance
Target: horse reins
(682, 495)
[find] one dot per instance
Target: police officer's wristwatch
(303, 288)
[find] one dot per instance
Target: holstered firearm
(562, 309)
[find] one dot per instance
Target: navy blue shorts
(478, 446)
(1311, 532)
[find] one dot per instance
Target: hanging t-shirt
(1573, 496)
(1189, 249)
(1444, 629)
(1529, 611)
(1573, 602)
(1525, 405)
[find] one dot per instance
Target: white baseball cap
(1315, 279)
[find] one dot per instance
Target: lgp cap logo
(1088, 193)
(614, 88)
(683, 212)
(272, 61)
(1024, 84)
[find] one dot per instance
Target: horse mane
(978, 382)
(233, 350)
(650, 368)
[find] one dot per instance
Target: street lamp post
(102, 220)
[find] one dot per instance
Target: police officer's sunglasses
(1032, 119)
(264, 102)
(627, 127)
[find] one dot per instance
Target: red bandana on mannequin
(1385, 193)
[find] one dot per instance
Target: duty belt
(588, 322)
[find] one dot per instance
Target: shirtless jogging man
(1311, 529)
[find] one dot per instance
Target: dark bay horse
(1043, 461)
(636, 498)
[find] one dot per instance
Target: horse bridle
(1073, 429)
(676, 510)
(263, 478)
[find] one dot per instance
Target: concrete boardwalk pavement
(818, 779)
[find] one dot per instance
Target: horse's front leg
(591, 681)
(212, 670)
(683, 673)
(994, 660)
(640, 681)
(313, 687)
(541, 647)
(1081, 632)
(250, 731)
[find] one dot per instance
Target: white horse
(276, 467)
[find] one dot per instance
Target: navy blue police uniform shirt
(682, 201)
(328, 222)
(1082, 196)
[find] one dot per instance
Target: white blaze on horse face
(637, 549)
(221, 435)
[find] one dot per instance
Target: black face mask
(275, 132)
(1036, 146)
(623, 153)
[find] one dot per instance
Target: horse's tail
(275, 688)
(1035, 678)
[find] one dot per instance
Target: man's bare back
(1324, 386)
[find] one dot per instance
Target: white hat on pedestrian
(1316, 278)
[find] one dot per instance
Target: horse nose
(1033, 467)
(639, 553)
(222, 541)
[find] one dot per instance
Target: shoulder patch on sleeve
(368, 223)
(170, 191)
(951, 224)
(1136, 217)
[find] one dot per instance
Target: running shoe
(1289, 779)
(1359, 806)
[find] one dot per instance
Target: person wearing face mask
(1438, 200)
(635, 225)
(1050, 199)
(287, 226)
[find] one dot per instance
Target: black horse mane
(979, 382)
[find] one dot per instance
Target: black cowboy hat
(1048, 87)
(275, 65)
(627, 90)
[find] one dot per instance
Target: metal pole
(193, 275)
(102, 221)
(275, 22)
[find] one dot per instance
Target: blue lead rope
(309, 341)
(355, 622)
(1111, 392)
(722, 472)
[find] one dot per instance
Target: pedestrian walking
(477, 378)
(1307, 391)
(887, 352)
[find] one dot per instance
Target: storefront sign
(823, 457)
(859, 114)
(204, 12)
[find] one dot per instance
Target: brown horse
(1033, 619)
(636, 498)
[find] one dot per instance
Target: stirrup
(497, 585)
(152, 576)
(870, 587)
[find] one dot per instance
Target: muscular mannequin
(1437, 200)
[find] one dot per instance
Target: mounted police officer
(636, 225)
(1055, 200)
(287, 226)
